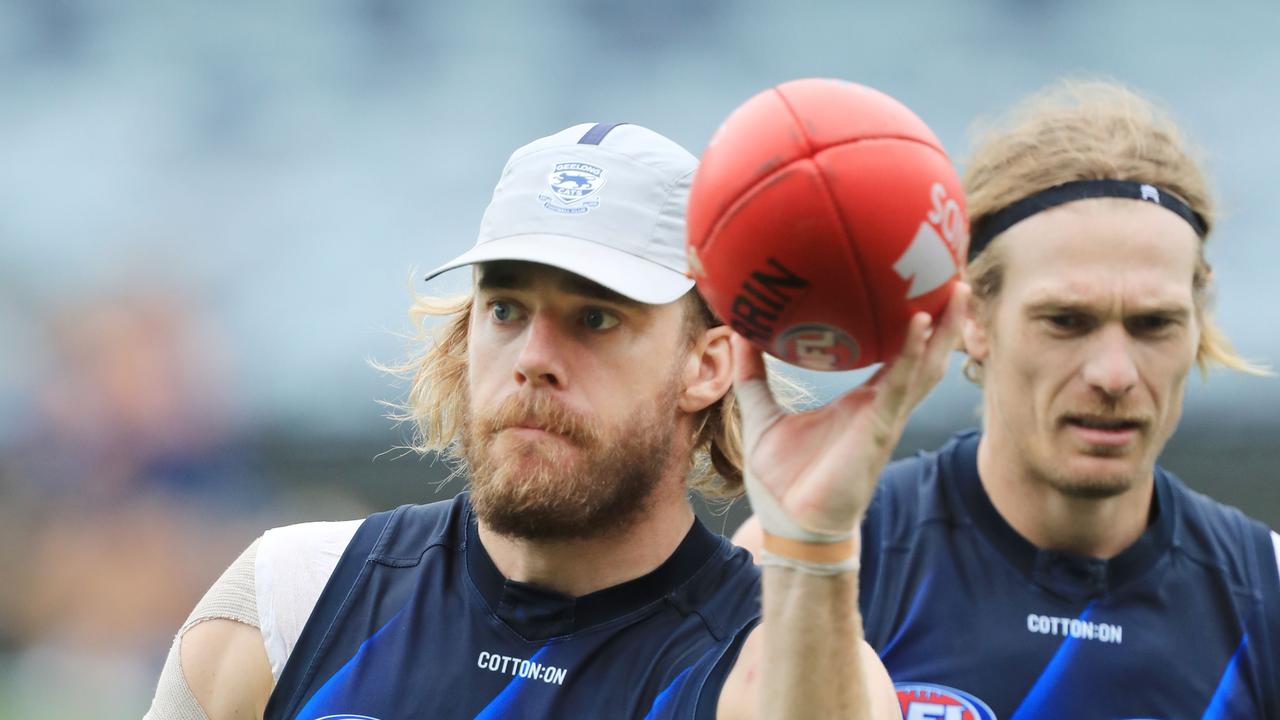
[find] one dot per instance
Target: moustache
(1109, 418)
(544, 413)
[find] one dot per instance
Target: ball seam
(855, 257)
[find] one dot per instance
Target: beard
(580, 481)
(1091, 487)
(1128, 467)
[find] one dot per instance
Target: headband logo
(1149, 192)
(573, 188)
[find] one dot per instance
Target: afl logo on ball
(926, 701)
(816, 347)
(573, 185)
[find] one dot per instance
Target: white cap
(604, 201)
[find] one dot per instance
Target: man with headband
(584, 389)
(1047, 567)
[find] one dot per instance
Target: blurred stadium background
(211, 213)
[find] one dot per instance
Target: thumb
(748, 361)
(760, 410)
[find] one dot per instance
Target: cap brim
(626, 274)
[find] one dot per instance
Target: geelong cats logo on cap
(573, 187)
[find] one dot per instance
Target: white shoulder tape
(231, 597)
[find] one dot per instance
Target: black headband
(986, 229)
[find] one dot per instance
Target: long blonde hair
(437, 397)
(1091, 131)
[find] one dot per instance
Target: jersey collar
(1068, 575)
(538, 613)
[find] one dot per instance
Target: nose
(1111, 368)
(541, 359)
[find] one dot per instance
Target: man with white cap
(584, 389)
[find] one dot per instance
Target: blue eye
(502, 311)
(599, 319)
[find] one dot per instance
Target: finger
(897, 379)
(945, 336)
(952, 321)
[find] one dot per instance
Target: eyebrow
(505, 277)
(1169, 310)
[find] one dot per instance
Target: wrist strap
(826, 551)
(848, 565)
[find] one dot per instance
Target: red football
(823, 215)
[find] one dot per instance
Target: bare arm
(743, 685)
(226, 667)
(810, 478)
(756, 688)
(217, 667)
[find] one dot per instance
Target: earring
(972, 370)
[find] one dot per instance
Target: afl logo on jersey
(573, 185)
(926, 701)
(347, 717)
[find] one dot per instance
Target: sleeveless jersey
(974, 622)
(417, 622)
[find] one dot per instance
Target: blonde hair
(1094, 130)
(437, 397)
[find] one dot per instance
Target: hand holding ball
(824, 215)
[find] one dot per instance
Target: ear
(975, 335)
(708, 370)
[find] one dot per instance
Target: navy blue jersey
(974, 622)
(416, 622)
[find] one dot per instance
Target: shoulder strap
(300, 668)
(396, 539)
